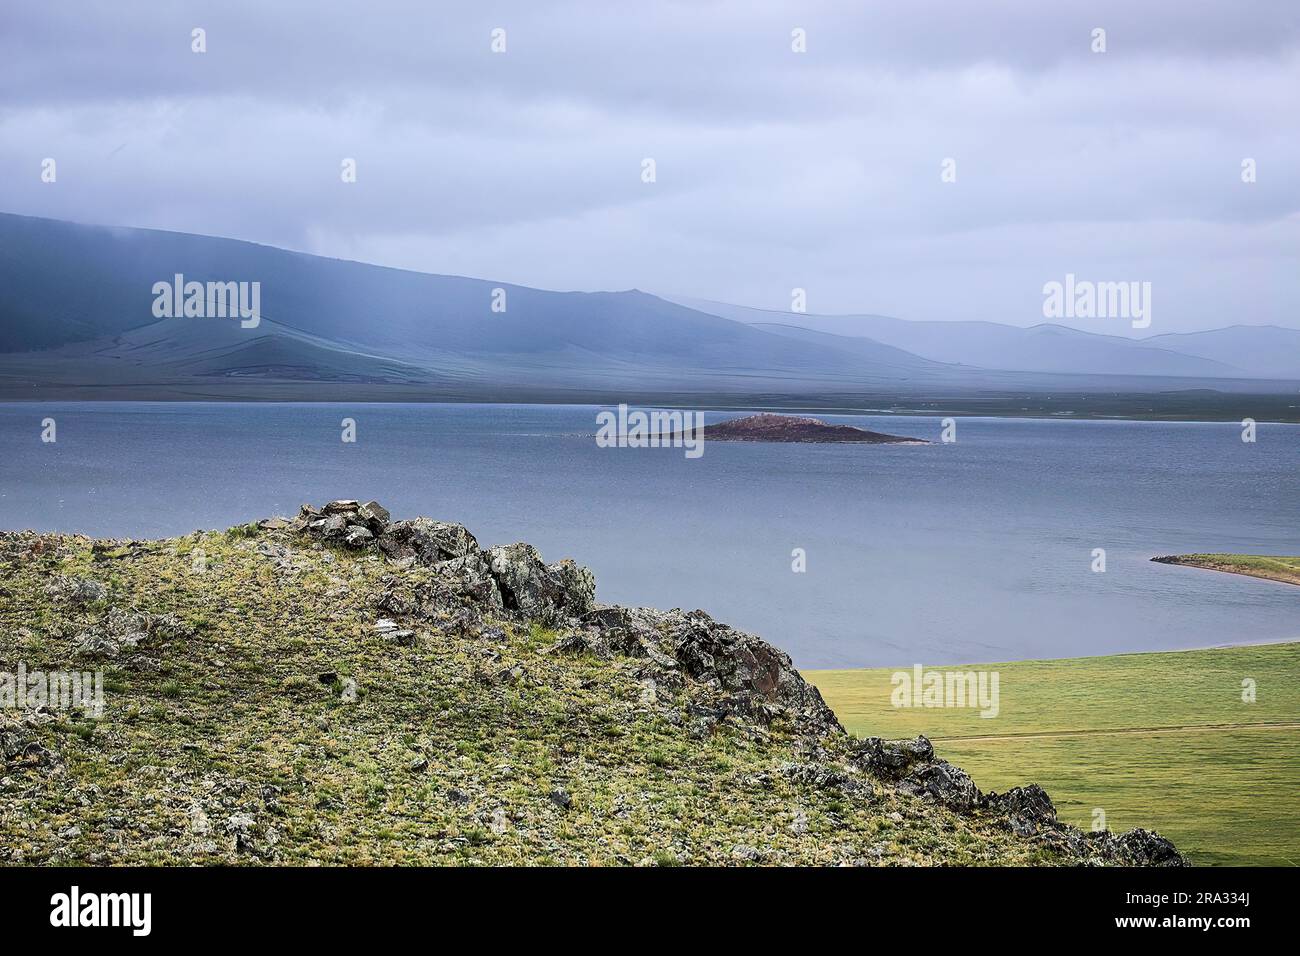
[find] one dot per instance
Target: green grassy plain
(1160, 740)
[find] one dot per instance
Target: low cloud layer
(775, 169)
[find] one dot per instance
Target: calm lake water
(975, 551)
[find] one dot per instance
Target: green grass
(1215, 774)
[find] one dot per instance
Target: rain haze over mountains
(912, 177)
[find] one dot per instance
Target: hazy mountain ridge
(77, 321)
(70, 285)
(1238, 351)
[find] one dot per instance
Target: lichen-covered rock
(1145, 848)
(358, 536)
(826, 777)
(759, 680)
(586, 641)
(457, 592)
(332, 526)
(540, 592)
(470, 578)
(121, 631)
(1028, 809)
(77, 591)
(916, 769)
(427, 541)
(893, 758)
(945, 783)
(375, 516)
(746, 675)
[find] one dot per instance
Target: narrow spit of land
(1269, 566)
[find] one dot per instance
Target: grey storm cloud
(775, 169)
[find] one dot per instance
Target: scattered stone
(510, 675)
(394, 632)
(648, 694)
(19, 746)
(240, 826)
(77, 591)
(701, 728)
(561, 798)
(823, 777)
(122, 631)
(271, 795)
(577, 643)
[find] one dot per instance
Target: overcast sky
(775, 169)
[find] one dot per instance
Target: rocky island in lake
(771, 427)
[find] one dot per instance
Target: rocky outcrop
(508, 578)
(441, 575)
(1026, 811)
(913, 765)
(550, 594)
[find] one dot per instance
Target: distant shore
(1097, 404)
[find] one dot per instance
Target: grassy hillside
(1163, 738)
(342, 689)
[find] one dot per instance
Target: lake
(979, 550)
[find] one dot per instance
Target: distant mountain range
(1239, 351)
(77, 321)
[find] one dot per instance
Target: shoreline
(969, 408)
